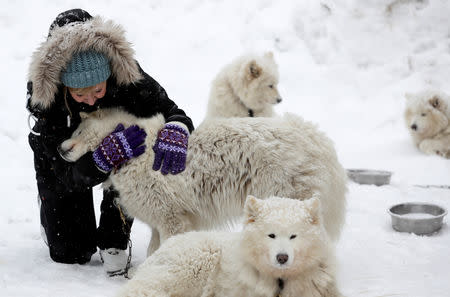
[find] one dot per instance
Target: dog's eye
(423, 114)
(271, 235)
(271, 86)
(293, 236)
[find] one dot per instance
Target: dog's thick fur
(227, 160)
(245, 87)
(427, 116)
(282, 239)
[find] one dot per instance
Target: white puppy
(247, 87)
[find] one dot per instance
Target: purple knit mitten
(170, 149)
(119, 146)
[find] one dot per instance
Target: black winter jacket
(129, 87)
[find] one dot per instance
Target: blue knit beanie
(86, 69)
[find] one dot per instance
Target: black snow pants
(68, 217)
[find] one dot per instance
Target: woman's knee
(64, 252)
(69, 227)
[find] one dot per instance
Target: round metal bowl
(369, 177)
(417, 218)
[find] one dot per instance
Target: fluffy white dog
(283, 250)
(427, 116)
(227, 160)
(246, 87)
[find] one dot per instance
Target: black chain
(127, 267)
(126, 230)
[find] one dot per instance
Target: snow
(344, 64)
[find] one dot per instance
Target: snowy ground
(344, 64)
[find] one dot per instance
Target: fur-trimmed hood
(55, 53)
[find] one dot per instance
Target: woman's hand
(171, 149)
(119, 146)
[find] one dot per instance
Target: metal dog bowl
(417, 218)
(369, 177)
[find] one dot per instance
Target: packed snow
(344, 64)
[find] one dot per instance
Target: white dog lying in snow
(283, 250)
(427, 116)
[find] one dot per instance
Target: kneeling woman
(86, 64)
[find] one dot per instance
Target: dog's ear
(269, 55)
(313, 207)
(437, 103)
(83, 115)
(251, 209)
(254, 70)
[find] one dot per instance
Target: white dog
(427, 117)
(245, 87)
(283, 250)
(227, 160)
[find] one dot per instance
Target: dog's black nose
(282, 258)
(62, 153)
(60, 150)
(414, 127)
(279, 100)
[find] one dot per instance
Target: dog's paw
(428, 147)
(432, 147)
(443, 153)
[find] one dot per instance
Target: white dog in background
(247, 87)
(427, 116)
(283, 250)
(227, 160)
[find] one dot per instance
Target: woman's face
(89, 95)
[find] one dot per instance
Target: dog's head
(426, 114)
(259, 79)
(93, 128)
(283, 237)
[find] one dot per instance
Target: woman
(84, 65)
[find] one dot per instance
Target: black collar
(280, 287)
(250, 113)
